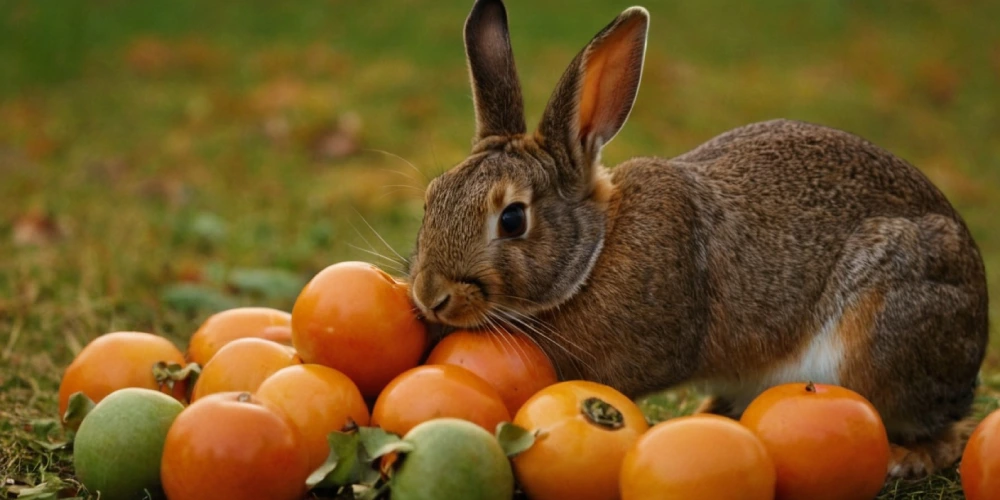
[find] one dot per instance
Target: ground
(160, 161)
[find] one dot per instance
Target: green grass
(154, 154)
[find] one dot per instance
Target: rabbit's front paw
(718, 406)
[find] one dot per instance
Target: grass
(160, 161)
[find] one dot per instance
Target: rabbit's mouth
(459, 303)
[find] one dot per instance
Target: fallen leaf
(277, 96)
(277, 129)
(339, 141)
(938, 80)
(209, 228)
(148, 56)
(36, 228)
(172, 191)
(153, 56)
(188, 271)
(191, 298)
(197, 55)
(40, 145)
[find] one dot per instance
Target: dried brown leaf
(36, 228)
(938, 80)
(339, 141)
(148, 56)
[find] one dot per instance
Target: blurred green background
(163, 160)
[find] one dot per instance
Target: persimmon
(980, 468)
(132, 424)
(511, 362)
(584, 429)
(357, 319)
(118, 360)
(242, 365)
(230, 445)
(451, 458)
(318, 400)
(435, 391)
(698, 456)
(226, 326)
(826, 441)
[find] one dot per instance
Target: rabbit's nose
(427, 294)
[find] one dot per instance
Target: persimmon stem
(810, 387)
(349, 426)
(244, 397)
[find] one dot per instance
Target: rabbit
(780, 251)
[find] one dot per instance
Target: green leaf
(318, 478)
(43, 430)
(268, 283)
(377, 442)
(209, 228)
(341, 466)
(78, 408)
(42, 445)
(46, 490)
(514, 439)
(42, 427)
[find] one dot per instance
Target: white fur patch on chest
(819, 361)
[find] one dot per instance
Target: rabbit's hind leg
(914, 328)
(918, 459)
(919, 369)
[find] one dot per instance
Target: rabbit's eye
(513, 221)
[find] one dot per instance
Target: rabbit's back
(785, 164)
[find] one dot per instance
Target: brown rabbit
(776, 252)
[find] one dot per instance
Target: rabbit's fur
(776, 252)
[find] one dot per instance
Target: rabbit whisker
(393, 189)
(407, 186)
(540, 329)
(404, 160)
(505, 336)
(398, 172)
(497, 330)
(538, 324)
(390, 262)
(393, 250)
(515, 297)
(522, 354)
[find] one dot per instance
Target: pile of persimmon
(348, 390)
(263, 389)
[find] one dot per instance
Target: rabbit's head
(517, 226)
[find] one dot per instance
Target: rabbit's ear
(495, 88)
(595, 95)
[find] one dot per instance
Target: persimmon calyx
(602, 413)
(168, 374)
